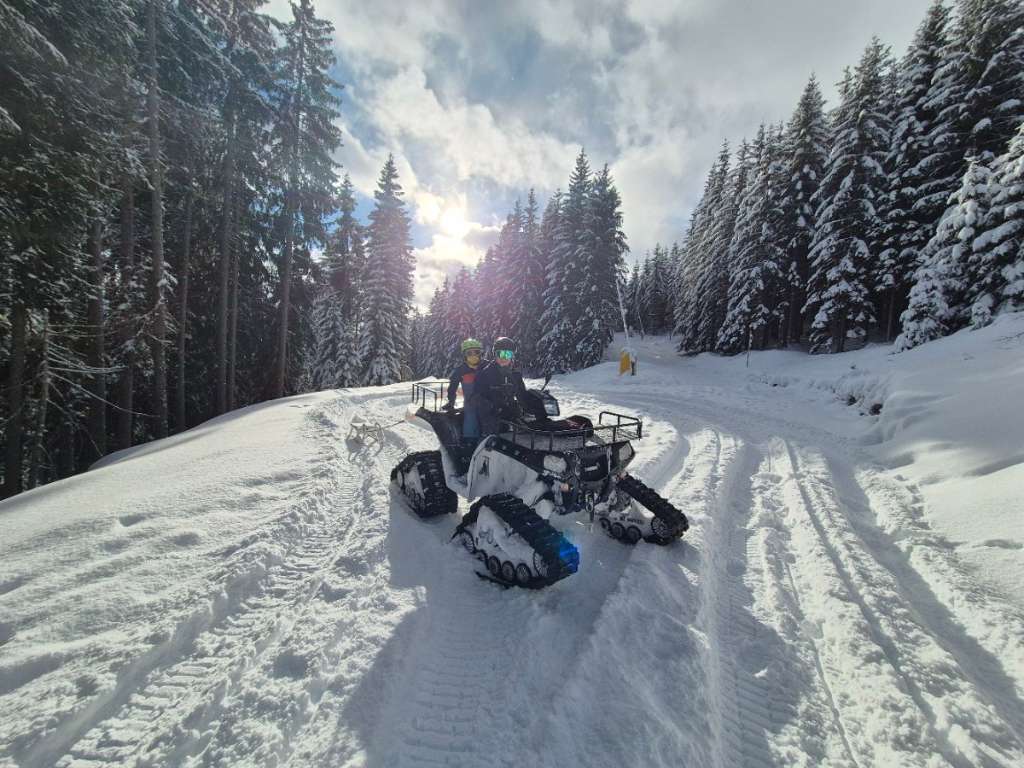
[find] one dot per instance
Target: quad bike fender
(493, 472)
(412, 417)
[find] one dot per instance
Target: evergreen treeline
(166, 179)
(550, 282)
(897, 213)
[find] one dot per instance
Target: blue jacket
(465, 376)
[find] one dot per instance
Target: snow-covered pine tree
(59, 154)
(601, 270)
(975, 94)
(482, 297)
(807, 148)
(781, 269)
(651, 292)
(304, 138)
(247, 40)
(561, 297)
(531, 274)
(996, 265)
(387, 285)
(632, 299)
(756, 286)
(346, 260)
(690, 267)
(993, 104)
(709, 244)
(333, 361)
(938, 301)
(461, 319)
(435, 333)
(846, 223)
(417, 345)
(912, 204)
(505, 291)
(675, 257)
(325, 366)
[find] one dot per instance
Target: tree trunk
(183, 270)
(233, 312)
(98, 381)
(125, 385)
(289, 242)
(839, 343)
(15, 397)
(66, 454)
(233, 331)
(156, 288)
(892, 313)
(286, 285)
(36, 461)
(225, 267)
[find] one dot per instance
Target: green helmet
(471, 343)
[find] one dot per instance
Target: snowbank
(948, 415)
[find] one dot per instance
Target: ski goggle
(505, 354)
(473, 353)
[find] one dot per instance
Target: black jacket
(500, 393)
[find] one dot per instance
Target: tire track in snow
(787, 673)
(740, 709)
(940, 713)
(291, 677)
(982, 690)
(478, 641)
(458, 685)
(639, 668)
(985, 633)
(740, 645)
(979, 672)
(160, 700)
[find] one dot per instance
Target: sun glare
(453, 222)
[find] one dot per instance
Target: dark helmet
(504, 343)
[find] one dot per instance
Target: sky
(481, 101)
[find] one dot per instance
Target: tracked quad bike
(537, 466)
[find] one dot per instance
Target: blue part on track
(568, 554)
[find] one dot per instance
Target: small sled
(362, 430)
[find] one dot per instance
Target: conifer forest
(178, 239)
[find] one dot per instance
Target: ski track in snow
(810, 617)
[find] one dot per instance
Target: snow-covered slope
(251, 593)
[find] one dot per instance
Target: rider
(466, 374)
(500, 392)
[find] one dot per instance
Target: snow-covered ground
(250, 593)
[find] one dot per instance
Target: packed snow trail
(271, 602)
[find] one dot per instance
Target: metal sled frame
(360, 431)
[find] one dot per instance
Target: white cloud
(648, 179)
(444, 257)
(466, 140)
(650, 86)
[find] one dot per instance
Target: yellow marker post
(624, 363)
